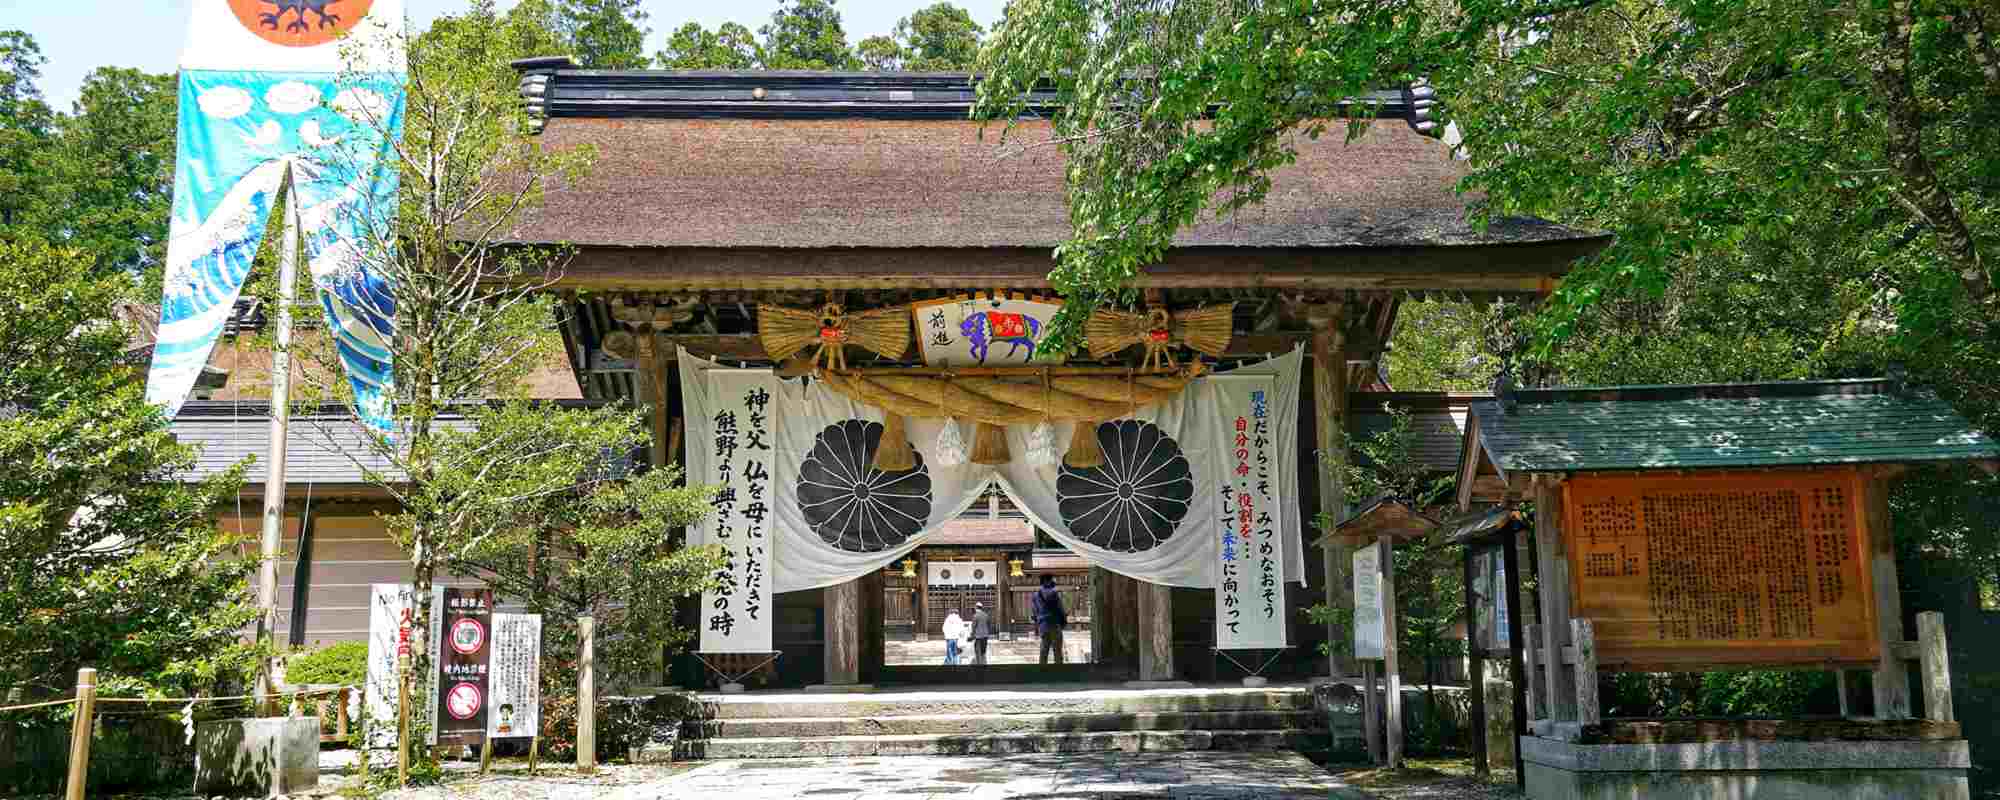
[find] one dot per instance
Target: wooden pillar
(1531, 660)
(923, 633)
(874, 631)
(842, 606)
(1392, 673)
(1156, 632)
(1371, 713)
(1892, 679)
(1329, 352)
(652, 363)
(1001, 589)
(586, 695)
(1475, 663)
(1517, 647)
(1585, 636)
(1935, 657)
(1122, 618)
(1100, 614)
(1553, 569)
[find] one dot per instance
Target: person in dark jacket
(982, 630)
(1050, 617)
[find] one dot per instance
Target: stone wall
(127, 754)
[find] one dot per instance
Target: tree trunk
(1922, 192)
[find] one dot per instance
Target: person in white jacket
(954, 630)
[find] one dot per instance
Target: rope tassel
(894, 453)
(1084, 451)
(989, 445)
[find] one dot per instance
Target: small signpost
(1373, 529)
(488, 671)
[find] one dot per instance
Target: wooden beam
(1330, 424)
(1392, 672)
(1892, 680)
(1475, 664)
(841, 603)
(1936, 669)
(1156, 632)
(1553, 583)
(1585, 636)
(1522, 267)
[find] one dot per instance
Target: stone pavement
(1095, 776)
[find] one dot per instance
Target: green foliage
(342, 663)
(1442, 345)
(106, 559)
(25, 126)
(880, 54)
(605, 34)
(1861, 140)
(938, 38)
(806, 34)
(692, 46)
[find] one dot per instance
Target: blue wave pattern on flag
(239, 134)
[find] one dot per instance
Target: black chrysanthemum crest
(851, 504)
(1136, 500)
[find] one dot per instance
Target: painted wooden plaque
(982, 332)
(1733, 568)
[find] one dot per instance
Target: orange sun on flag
(299, 23)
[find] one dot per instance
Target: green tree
(605, 34)
(26, 126)
(880, 54)
(692, 46)
(106, 559)
(611, 548)
(939, 38)
(112, 161)
(1686, 128)
(473, 319)
(806, 34)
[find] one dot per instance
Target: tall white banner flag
(736, 454)
(1250, 588)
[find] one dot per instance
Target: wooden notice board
(1722, 568)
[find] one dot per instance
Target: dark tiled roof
(1437, 422)
(324, 447)
(1802, 423)
(862, 178)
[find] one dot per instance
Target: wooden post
(485, 755)
(340, 712)
(586, 695)
(1936, 661)
(1892, 679)
(1553, 586)
(1156, 632)
(403, 720)
(923, 633)
(1475, 666)
(1517, 649)
(1585, 636)
(79, 734)
(1329, 352)
(534, 754)
(842, 603)
(1371, 723)
(1392, 677)
(1100, 615)
(1531, 659)
(1840, 685)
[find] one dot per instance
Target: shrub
(342, 663)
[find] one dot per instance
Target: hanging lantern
(909, 568)
(1014, 569)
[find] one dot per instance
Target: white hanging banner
(731, 447)
(1369, 621)
(1249, 547)
(812, 510)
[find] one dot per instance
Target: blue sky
(81, 35)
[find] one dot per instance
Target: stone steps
(1017, 720)
(1001, 744)
(992, 724)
